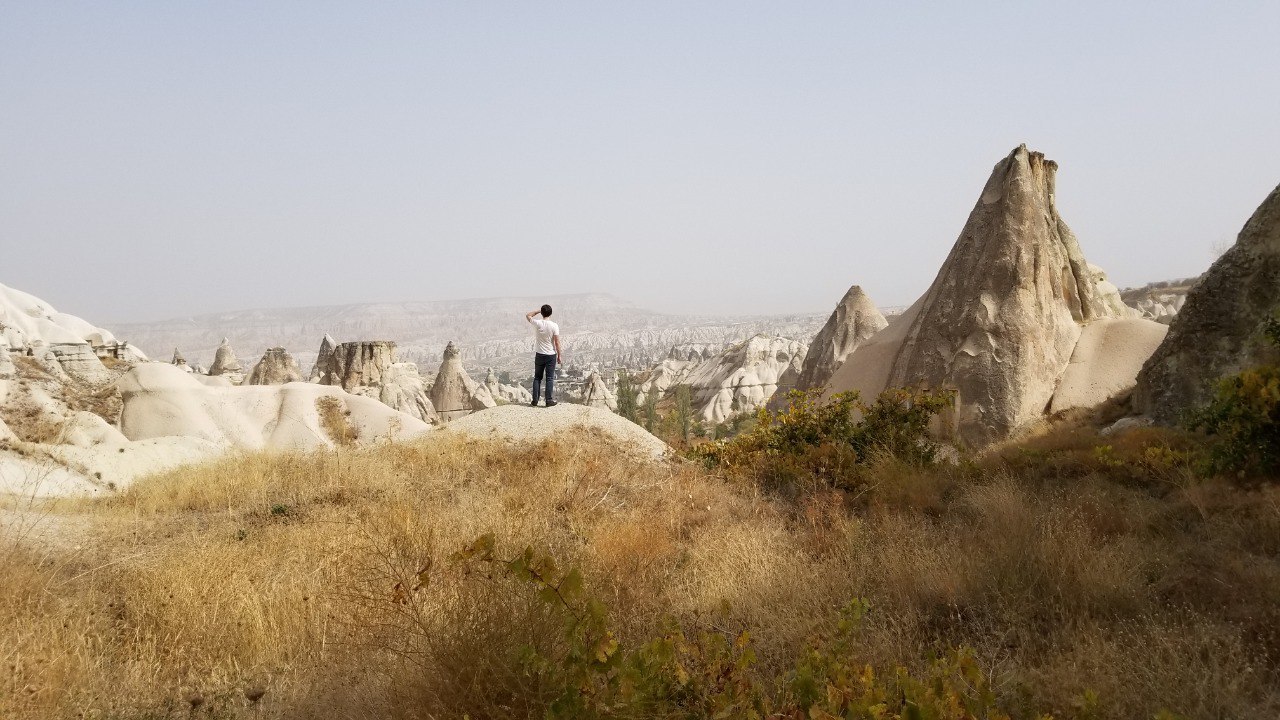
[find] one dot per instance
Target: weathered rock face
(502, 393)
(276, 367)
(1001, 320)
(225, 364)
(7, 369)
(1159, 301)
(675, 368)
(1218, 331)
(80, 362)
(359, 364)
(454, 394)
(324, 359)
(370, 368)
(402, 389)
(743, 377)
(1109, 294)
(597, 393)
(854, 320)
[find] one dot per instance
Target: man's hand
(529, 316)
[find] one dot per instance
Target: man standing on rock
(546, 352)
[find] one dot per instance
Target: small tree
(627, 398)
(651, 409)
(684, 410)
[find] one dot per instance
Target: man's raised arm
(528, 317)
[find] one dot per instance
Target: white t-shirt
(545, 330)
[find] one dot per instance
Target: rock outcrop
(161, 401)
(225, 364)
(1001, 321)
(854, 320)
(1159, 301)
(276, 367)
(502, 393)
(358, 364)
(674, 369)
(597, 393)
(1218, 331)
(7, 368)
(402, 389)
(742, 377)
(371, 368)
(454, 394)
(324, 359)
(1110, 296)
(180, 362)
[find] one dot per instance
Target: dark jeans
(544, 365)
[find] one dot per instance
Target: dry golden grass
(286, 572)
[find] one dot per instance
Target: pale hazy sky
(168, 158)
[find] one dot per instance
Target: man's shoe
(552, 403)
(533, 404)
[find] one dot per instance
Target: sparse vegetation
(1051, 577)
(334, 421)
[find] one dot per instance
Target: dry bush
(334, 420)
(326, 579)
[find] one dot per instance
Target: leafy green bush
(1244, 422)
(814, 444)
(1243, 419)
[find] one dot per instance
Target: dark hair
(546, 311)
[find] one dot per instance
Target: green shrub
(1243, 419)
(814, 444)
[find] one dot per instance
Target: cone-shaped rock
(454, 393)
(854, 320)
(226, 364)
(180, 361)
(1001, 320)
(598, 394)
(276, 367)
(1218, 331)
(324, 359)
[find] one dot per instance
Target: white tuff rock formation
(180, 362)
(454, 394)
(225, 364)
(854, 320)
(505, 393)
(161, 401)
(1001, 323)
(1219, 331)
(597, 393)
(370, 368)
(324, 359)
(276, 367)
(64, 343)
(743, 377)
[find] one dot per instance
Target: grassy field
(1087, 577)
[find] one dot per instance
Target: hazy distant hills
(491, 332)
